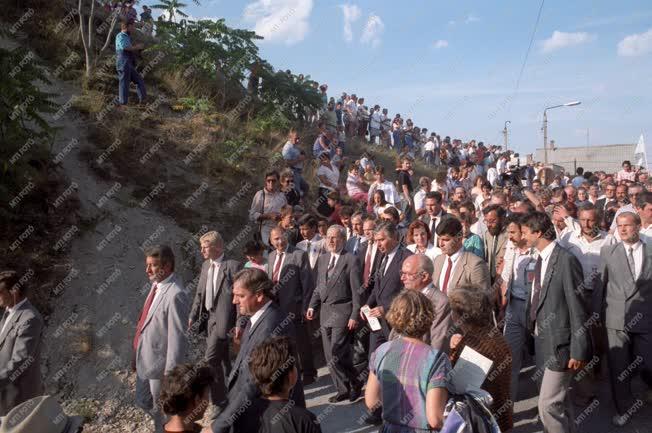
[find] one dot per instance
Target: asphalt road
(594, 418)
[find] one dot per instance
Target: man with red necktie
(456, 267)
(160, 341)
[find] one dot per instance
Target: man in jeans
(126, 64)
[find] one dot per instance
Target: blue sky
(452, 66)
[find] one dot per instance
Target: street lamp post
(545, 126)
(505, 134)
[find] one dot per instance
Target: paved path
(595, 418)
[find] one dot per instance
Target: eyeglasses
(407, 274)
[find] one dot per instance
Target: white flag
(640, 147)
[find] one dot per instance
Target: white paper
(374, 323)
(470, 371)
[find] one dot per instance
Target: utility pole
(506, 134)
(545, 126)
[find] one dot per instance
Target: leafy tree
(172, 8)
(24, 132)
(87, 31)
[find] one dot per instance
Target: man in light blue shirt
(126, 64)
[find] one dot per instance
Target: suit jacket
(438, 335)
(163, 341)
(353, 244)
(501, 243)
(626, 303)
(387, 286)
(221, 319)
(296, 284)
(20, 353)
(470, 271)
(426, 219)
(337, 296)
(240, 383)
(561, 312)
(366, 291)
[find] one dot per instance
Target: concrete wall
(607, 157)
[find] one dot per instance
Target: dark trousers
(304, 348)
(361, 349)
(628, 352)
(338, 351)
(126, 75)
(217, 357)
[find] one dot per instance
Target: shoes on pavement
(338, 397)
(620, 420)
(355, 393)
(373, 420)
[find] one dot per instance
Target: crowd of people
(396, 276)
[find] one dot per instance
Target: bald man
(416, 274)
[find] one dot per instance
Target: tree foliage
(24, 132)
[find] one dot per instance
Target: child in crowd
(184, 397)
(254, 251)
(273, 368)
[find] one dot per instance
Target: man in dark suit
(369, 258)
(337, 297)
(387, 282)
(21, 330)
(434, 213)
(609, 196)
(557, 316)
(357, 237)
(254, 295)
(289, 270)
(214, 311)
(627, 293)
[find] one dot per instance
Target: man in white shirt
(391, 194)
(312, 242)
(420, 196)
(626, 173)
(374, 125)
(517, 275)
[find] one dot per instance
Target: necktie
(630, 260)
(209, 287)
(277, 268)
(331, 265)
(309, 251)
(367, 264)
(143, 314)
(536, 289)
(447, 276)
(355, 245)
(383, 264)
(433, 226)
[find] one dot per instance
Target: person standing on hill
(126, 64)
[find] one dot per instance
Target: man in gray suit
(557, 317)
(289, 269)
(627, 291)
(20, 344)
(160, 342)
(213, 309)
(416, 274)
(338, 298)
